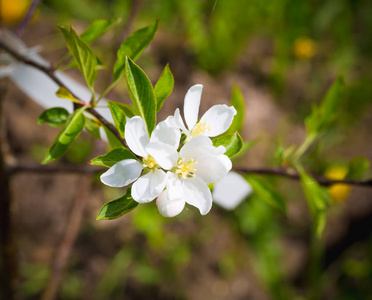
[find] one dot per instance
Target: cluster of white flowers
(175, 176)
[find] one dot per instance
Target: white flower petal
(231, 190)
(171, 201)
(136, 135)
(219, 150)
(197, 193)
(212, 168)
(165, 155)
(122, 173)
(196, 147)
(167, 134)
(219, 118)
(191, 105)
(178, 121)
(149, 186)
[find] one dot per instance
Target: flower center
(186, 169)
(149, 162)
(200, 128)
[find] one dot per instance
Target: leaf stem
(304, 147)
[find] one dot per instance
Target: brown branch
(132, 14)
(296, 176)
(50, 72)
(21, 27)
(71, 233)
(59, 168)
(83, 169)
(8, 257)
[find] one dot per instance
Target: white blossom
(164, 139)
(214, 122)
(197, 164)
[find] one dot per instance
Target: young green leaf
(133, 46)
(357, 168)
(113, 140)
(164, 87)
(54, 117)
(317, 199)
(266, 192)
(65, 94)
(116, 208)
(324, 115)
(83, 55)
(118, 116)
(74, 125)
(141, 93)
(98, 28)
(111, 158)
(92, 126)
(237, 100)
(232, 142)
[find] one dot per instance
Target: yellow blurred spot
(13, 11)
(338, 192)
(304, 48)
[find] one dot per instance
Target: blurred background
(283, 55)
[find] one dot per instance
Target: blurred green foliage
(318, 39)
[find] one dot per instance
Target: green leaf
(133, 46)
(54, 117)
(232, 142)
(118, 116)
(324, 115)
(247, 145)
(116, 208)
(111, 158)
(127, 109)
(266, 192)
(357, 168)
(65, 94)
(164, 87)
(237, 100)
(98, 28)
(93, 32)
(113, 140)
(317, 198)
(92, 126)
(74, 125)
(141, 93)
(83, 55)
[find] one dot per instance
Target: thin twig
(8, 257)
(69, 239)
(59, 168)
(22, 26)
(50, 72)
(82, 169)
(132, 14)
(296, 176)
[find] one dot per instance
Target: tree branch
(21, 27)
(8, 256)
(68, 241)
(83, 169)
(58, 168)
(136, 4)
(49, 71)
(296, 176)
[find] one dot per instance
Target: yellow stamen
(185, 169)
(149, 162)
(200, 128)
